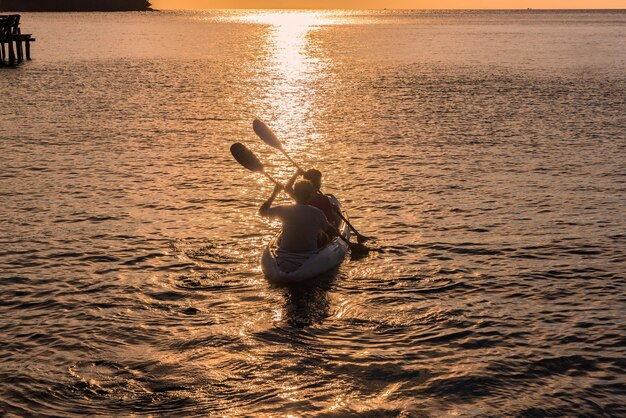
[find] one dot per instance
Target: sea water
(486, 151)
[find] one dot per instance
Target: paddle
(265, 133)
(246, 158)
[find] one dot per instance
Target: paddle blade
(362, 238)
(358, 251)
(266, 134)
(245, 157)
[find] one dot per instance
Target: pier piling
(15, 42)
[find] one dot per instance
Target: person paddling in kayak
(302, 223)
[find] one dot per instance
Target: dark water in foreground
(485, 150)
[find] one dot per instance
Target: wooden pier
(14, 45)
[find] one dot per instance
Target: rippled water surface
(486, 151)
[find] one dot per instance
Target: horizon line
(386, 8)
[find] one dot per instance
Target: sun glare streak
(288, 40)
(291, 75)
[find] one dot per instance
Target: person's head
(302, 191)
(315, 177)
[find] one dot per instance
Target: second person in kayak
(319, 199)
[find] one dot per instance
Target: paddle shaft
(272, 179)
(338, 212)
(290, 159)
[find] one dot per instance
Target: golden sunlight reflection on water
(288, 94)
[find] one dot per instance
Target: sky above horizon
(390, 4)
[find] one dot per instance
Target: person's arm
(324, 225)
(292, 180)
(265, 207)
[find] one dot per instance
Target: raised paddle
(246, 158)
(265, 133)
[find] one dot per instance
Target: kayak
(285, 267)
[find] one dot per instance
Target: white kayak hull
(283, 267)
